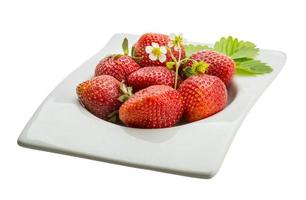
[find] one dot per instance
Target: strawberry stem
(177, 62)
(177, 66)
(172, 56)
(176, 76)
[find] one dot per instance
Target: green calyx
(133, 51)
(125, 46)
(112, 117)
(196, 68)
(126, 92)
(116, 56)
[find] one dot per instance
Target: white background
(42, 42)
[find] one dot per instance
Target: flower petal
(163, 49)
(162, 58)
(149, 49)
(152, 57)
(155, 45)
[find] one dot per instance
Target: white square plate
(197, 149)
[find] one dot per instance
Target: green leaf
(228, 46)
(241, 72)
(125, 46)
(191, 49)
(253, 67)
(246, 44)
(245, 52)
(236, 49)
(220, 46)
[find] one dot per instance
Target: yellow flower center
(156, 52)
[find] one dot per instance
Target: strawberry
(100, 95)
(219, 64)
(148, 76)
(118, 66)
(151, 48)
(157, 106)
(203, 96)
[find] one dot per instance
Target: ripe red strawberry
(157, 46)
(203, 96)
(220, 65)
(157, 106)
(148, 76)
(118, 66)
(100, 95)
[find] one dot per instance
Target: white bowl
(196, 149)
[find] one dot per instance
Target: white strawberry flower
(156, 52)
(176, 41)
